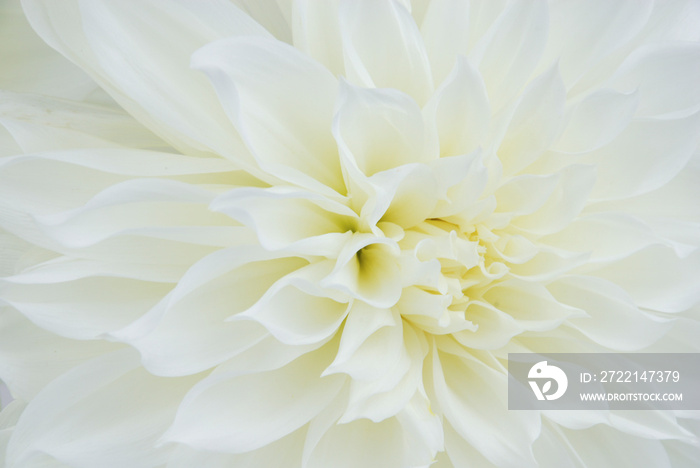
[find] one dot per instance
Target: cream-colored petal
(380, 129)
(630, 165)
(283, 453)
(460, 110)
(445, 31)
(535, 123)
(239, 413)
(473, 399)
(664, 75)
(281, 102)
(27, 358)
(508, 52)
(607, 236)
(574, 184)
(657, 279)
(116, 44)
(383, 48)
(273, 15)
(583, 33)
(285, 218)
(367, 268)
(187, 331)
(609, 310)
(317, 32)
(596, 121)
(30, 65)
(294, 316)
(39, 123)
(106, 406)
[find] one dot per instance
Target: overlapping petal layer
(305, 233)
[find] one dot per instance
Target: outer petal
(107, 405)
(28, 357)
(116, 44)
(596, 121)
(239, 413)
(509, 51)
(630, 165)
(609, 310)
(281, 101)
(535, 122)
(30, 66)
(40, 123)
(657, 279)
(317, 32)
(187, 331)
(584, 32)
(274, 15)
(283, 453)
(445, 30)
(472, 398)
(381, 129)
(409, 440)
(460, 110)
(384, 49)
(665, 75)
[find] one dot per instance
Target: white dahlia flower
(276, 233)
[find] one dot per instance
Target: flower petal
(584, 32)
(294, 316)
(368, 269)
(530, 304)
(281, 102)
(384, 49)
(187, 332)
(535, 122)
(445, 30)
(274, 15)
(282, 453)
(460, 110)
(234, 414)
(290, 219)
(574, 183)
(30, 65)
(317, 32)
(609, 310)
(507, 54)
(630, 165)
(107, 405)
(473, 400)
(116, 44)
(39, 123)
(28, 361)
(657, 279)
(665, 76)
(597, 120)
(607, 236)
(380, 129)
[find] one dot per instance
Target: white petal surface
(102, 409)
(242, 413)
(383, 48)
(284, 118)
(109, 41)
(308, 233)
(30, 65)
